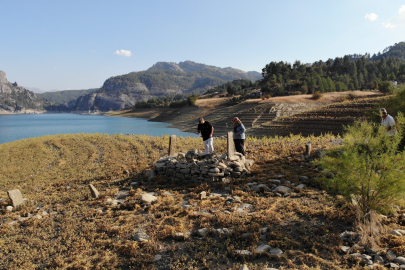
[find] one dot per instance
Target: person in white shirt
(388, 122)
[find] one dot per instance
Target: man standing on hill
(205, 129)
(388, 122)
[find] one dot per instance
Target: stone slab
(15, 197)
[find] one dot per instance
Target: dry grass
(53, 172)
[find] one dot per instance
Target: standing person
(239, 135)
(388, 122)
(205, 129)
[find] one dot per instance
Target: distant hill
(162, 79)
(65, 96)
(17, 99)
(396, 51)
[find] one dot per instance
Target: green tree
(192, 99)
(368, 167)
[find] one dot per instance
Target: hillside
(162, 79)
(17, 99)
(64, 96)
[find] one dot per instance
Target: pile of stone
(198, 166)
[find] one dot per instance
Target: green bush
(386, 87)
(368, 168)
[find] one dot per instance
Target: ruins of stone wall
(198, 166)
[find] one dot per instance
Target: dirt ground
(327, 98)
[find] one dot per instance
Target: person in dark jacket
(205, 129)
(239, 135)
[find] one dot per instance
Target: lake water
(22, 126)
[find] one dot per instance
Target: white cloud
(123, 52)
(371, 16)
(388, 25)
(401, 10)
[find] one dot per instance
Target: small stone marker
(15, 197)
(203, 195)
(308, 149)
(94, 191)
(230, 145)
(172, 145)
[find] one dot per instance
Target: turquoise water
(23, 126)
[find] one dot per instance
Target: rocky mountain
(64, 96)
(162, 79)
(17, 99)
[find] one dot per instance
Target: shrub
(367, 169)
(386, 87)
(351, 95)
(192, 99)
(267, 96)
(317, 95)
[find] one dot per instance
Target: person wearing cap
(388, 122)
(205, 129)
(239, 135)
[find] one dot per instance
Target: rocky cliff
(17, 99)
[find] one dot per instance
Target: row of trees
(172, 102)
(233, 87)
(340, 74)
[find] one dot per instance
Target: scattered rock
(399, 260)
(300, 186)
(319, 153)
(94, 192)
(37, 217)
(243, 252)
(303, 178)
(344, 248)
(9, 208)
(157, 258)
(202, 232)
(392, 265)
(167, 193)
(390, 256)
(150, 174)
(378, 258)
(348, 236)
(282, 189)
(355, 255)
(395, 232)
(244, 267)
(179, 236)
(148, 198)
(263, 248)
(276, 251)
(141, 237)
(15, 197)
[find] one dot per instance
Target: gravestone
(15, 197)
(172, 145)
(94, 191)
(308, 149)
(230, 145)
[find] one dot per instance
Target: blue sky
(79, 44)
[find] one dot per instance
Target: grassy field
(80, 232)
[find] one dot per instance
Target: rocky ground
(275, 216)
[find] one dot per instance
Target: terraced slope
(327, 119)
(249, 113)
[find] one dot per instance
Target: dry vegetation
(79, 232)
